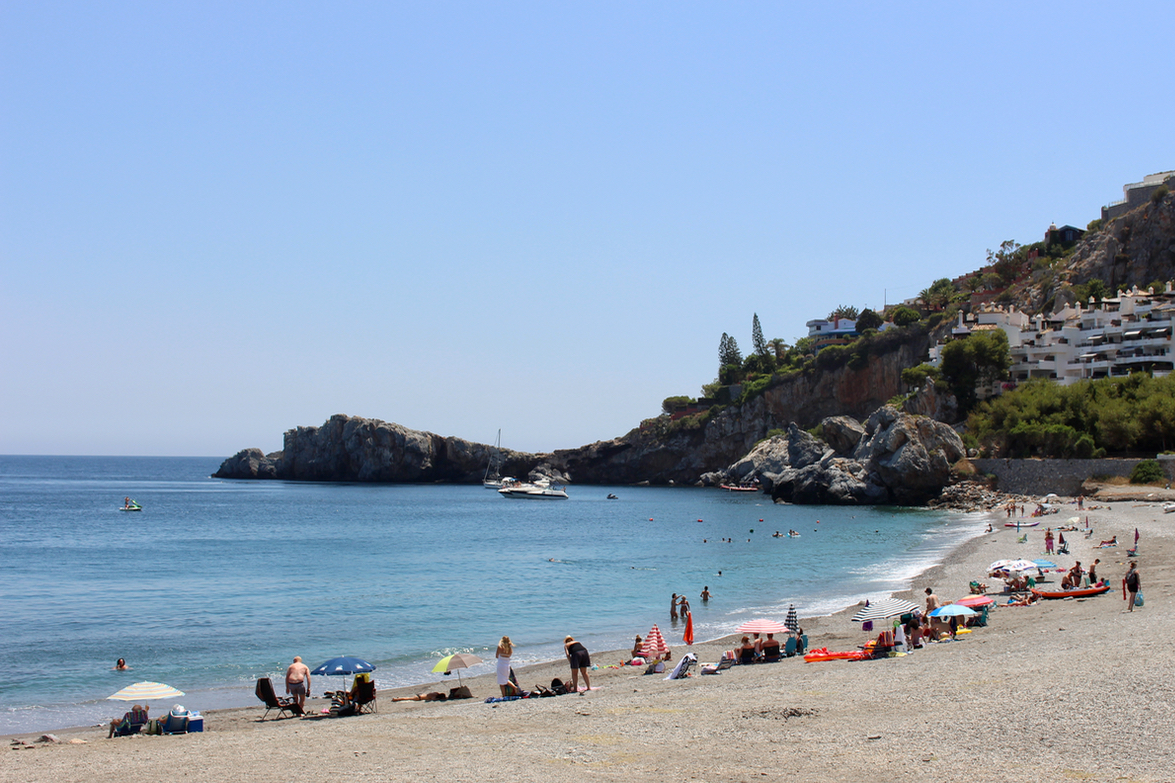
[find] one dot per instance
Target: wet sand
(1064, 690)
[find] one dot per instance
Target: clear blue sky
(222, 220)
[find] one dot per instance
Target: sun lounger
(264, 691)
(131, 723)
(721, 666)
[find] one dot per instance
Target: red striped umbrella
(688, 637)
(761, 626)
(654, 646)
(975, 601)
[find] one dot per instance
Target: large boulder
(803, 448)
(842, 433)
(912, 455)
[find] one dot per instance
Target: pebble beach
(1075, 689)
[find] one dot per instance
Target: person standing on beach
(931, 601)
(505, 650)
(1131, 584)
(577, 656)
(298, 681)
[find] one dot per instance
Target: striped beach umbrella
(761, 626)
(885, 609)
(145, 691)
(792, 623)
(654, 646)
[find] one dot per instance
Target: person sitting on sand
(1112, 542)
(636, 646)
(746, 652)
(433, 696)
(137, 715)
(770, 647)
(932, 601)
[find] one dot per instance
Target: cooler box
(195, 722)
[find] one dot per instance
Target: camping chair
(1064, 550)
(363, 694)
(1132, 552)
(264, 691)
(978, 588)
(746, 656)
(1022, 539)
(771, 652)
(131, 723)
(789, 647)
(801, 644)
(721, 666)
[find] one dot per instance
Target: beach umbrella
(654, 645)
(792, 623)
(885, 609)
(953, 610)
(343, 666)
(1061, 537)
(146, 691)
(974, 601)
(456, 661)
(1072, 520)
(761, 626)
(1019, 566)
(688, 636)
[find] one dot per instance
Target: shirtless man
(931, 601)
(298, 681)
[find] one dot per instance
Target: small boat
(744, 487)
(1083, 592)
(1022, 524)
(538, 490)
(492, 480)
(612, 497)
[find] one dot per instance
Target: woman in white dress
(505, 650)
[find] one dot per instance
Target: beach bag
(463, 692)
(1138, 598)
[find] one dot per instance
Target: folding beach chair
(264, 691)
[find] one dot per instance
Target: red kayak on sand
(1082, 593)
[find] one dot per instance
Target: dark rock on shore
(894, 457)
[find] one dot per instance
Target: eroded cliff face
(349, 448)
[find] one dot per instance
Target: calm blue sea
(216, 583)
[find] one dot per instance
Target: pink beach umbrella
(762, 626)
(654, 646)
(975, 601)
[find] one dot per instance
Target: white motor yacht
(540, 489)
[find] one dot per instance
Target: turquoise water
(216, 583)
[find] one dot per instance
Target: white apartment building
(1113, 338)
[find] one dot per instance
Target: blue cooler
(195, 722)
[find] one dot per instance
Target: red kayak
(1083, 593)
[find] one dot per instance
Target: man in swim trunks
(298, 681)
(931, 601)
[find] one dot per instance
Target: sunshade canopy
(762, 626)
(885, 609)
(343, 665)
(654, 645)
(145, 691)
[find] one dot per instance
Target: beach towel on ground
(682, 668)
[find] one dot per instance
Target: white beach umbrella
(146, 691)
(885, 609)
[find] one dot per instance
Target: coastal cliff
(357, 449)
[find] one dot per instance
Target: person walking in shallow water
(673, 607)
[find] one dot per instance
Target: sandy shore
(1065, 690)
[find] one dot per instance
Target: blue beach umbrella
(953, 610)
(343, 666)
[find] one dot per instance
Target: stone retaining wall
(1062, 476)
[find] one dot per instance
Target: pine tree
(757, 340)
(728, 352)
